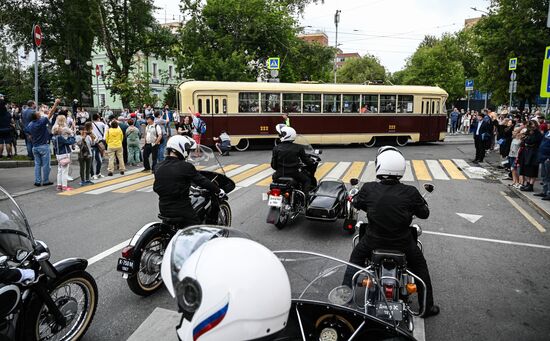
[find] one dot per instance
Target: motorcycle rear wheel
(282, 220)
(39, 322)
(137, 282)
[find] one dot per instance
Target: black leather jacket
(390, 206)
(286, 158)
(173, 177)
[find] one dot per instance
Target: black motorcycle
(59, 304)
(328, 201)
(141, 259)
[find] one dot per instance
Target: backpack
(201, 129)
(84, 152)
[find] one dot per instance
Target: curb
(21, 163)
(530, 202)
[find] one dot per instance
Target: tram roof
(312, 87)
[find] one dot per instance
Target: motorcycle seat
(378, 256)
(171, 220)
(284, 181)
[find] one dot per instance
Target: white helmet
(181, 145)
(226, 288)
(390, 163)
(286, 133)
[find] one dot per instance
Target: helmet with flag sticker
(226, 288)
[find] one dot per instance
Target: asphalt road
(487, 290)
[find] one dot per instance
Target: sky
(388, 29)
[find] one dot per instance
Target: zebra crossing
(251, 174)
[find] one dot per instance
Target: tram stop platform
(160, 325)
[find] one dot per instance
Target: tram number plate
(383, 310)
(275, 201)
(125, 265)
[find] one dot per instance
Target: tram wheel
(243, 145)
(371, 143)
(401, 140)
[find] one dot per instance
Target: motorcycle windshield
(326, 280)
(16, 240)
(206, 162)
(300, 139)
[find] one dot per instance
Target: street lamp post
(336, 21)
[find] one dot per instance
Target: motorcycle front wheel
(224, 215)
(76, 297)
(147, 279)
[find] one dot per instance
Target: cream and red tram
(323, 113)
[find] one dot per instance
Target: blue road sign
(469, 85)
(273, 63)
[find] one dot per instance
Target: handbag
(64, 162)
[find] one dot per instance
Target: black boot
(432, 311)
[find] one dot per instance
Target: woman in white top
(466, 118)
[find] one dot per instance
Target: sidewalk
(541, 206)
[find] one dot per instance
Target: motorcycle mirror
(429, 187)
(354, 181)
(318, 151)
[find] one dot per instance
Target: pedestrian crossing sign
(273, 63)
(512, 64)
(545, 80)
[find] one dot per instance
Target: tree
(362, 70)
(126, 27)
(514, 28)
(231, 40)
(170, 97)
(68, 35)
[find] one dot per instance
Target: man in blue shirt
(454, 120)
(26, 118)
(544, 159)
(40, 137)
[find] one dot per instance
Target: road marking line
(134, 187)
(104, 184)
(488, 240)
(240, 169)
(119, 185)
(524, 213)
(263, 175)
(408, 176)
(241, 176)
(146, 189)
(421, 170)
(225, 168)
(419, 331)
(453, 171)
(337, 171)
(436, 170)
(324, 169)
(370, 173)
(465, 168)
(107, 252)
(265, 182)
(354, 171)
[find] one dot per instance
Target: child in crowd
(223, 143)
(85, 141)
(62, 139)
(513, 154)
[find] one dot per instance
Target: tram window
(387, 103)
(351, 103)
(433, 107)
(405, 104)
(369, 104)
(224, 106)
(271, 102)
(312, 102)
(331, 103)
(422, 111)
(208, 106)
(292, 102)
(248, 102)
(200, 105)
(216, 106)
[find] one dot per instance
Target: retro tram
(323, 113)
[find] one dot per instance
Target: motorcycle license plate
(125, 265)
(383, 310)
(275, 201)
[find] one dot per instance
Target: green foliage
(231, 40)
(514, 28)
(68, 35)
(362, 70)
(170, 96)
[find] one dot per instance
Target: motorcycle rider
(287, 156)
(173, 178)
(226, 288)
(390, 206)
